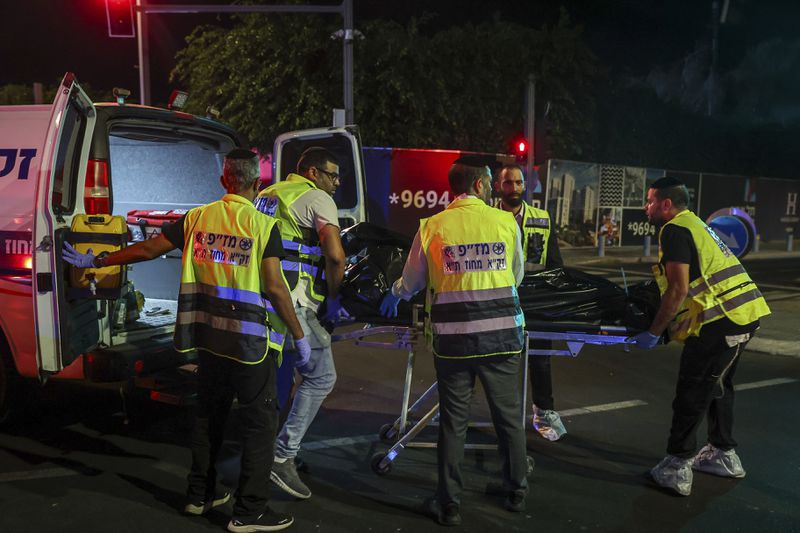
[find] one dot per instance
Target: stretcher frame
(401, 436)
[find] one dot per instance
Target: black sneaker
(269, 520)
(515, 501)
(448, 515)
(200, 507)
(284, 475)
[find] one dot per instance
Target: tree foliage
(414, 86)
(22, 94)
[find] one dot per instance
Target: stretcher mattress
(375, 259)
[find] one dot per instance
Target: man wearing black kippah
(709, 303)
(469, 256)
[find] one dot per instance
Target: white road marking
(343, 441)
(589, 409)
(44, 473)
(764, 383)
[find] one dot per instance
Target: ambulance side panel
(22, 131)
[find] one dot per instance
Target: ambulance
(102, 175)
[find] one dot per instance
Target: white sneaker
(724, 463)
(674, 473)
(548, 424)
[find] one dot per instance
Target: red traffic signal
(521, 147)
(120, 18)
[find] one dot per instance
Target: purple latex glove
(389, 305)
(644, 340)
(303, 350)
(334, 310)
(75, 258)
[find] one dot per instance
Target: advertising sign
(635, 227)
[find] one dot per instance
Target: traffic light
(120, 18)
(520, 148)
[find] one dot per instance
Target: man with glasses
(314, 269)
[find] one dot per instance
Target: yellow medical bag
(99, 233)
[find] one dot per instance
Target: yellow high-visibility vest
(724, 289)
(472, 302)
(304, 257)
(220, 307)
(536, 231)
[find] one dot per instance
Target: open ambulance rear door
(63, 330)
(345, 144)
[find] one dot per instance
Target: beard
(512, 201)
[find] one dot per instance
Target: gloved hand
(75, 258)
(389, 305)
(644, 340)
(334, 310)
(303, 350)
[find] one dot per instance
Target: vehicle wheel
(387, 434)
(4, 395)
(531, 464)
(375, 464)
(9, 382)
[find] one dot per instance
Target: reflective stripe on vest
(302, 248)
(724, 289)
(474, 308)
(220, 307)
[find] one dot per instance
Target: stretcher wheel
(388, 434)
(531, 464)
(375, 464)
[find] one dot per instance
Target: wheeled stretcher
(402, 432)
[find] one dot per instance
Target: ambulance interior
(160, 171)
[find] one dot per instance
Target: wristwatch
(99, 260)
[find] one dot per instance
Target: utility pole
(717, 18)
(530, 131)
(144, 52)
(347, 49)
(345, 9)
(712, 72)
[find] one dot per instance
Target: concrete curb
(610, 260)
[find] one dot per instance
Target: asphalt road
(73, 464)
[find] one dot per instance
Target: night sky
(42, 39)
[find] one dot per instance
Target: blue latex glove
(334, 310)
(389, 305)
(303, 350)
(75, 258)
(644, 340)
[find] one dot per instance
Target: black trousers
(541, 376)
(500, 378)
(220, 379)
(705, 387)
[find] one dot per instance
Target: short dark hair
(508, 166)
(672, 188)
(461, 176)
(240, 169)
(315, 156)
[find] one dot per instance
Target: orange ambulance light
(96, 199)
(27, 263)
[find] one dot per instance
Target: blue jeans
(319, 376)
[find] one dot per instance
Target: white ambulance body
(75, 157)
